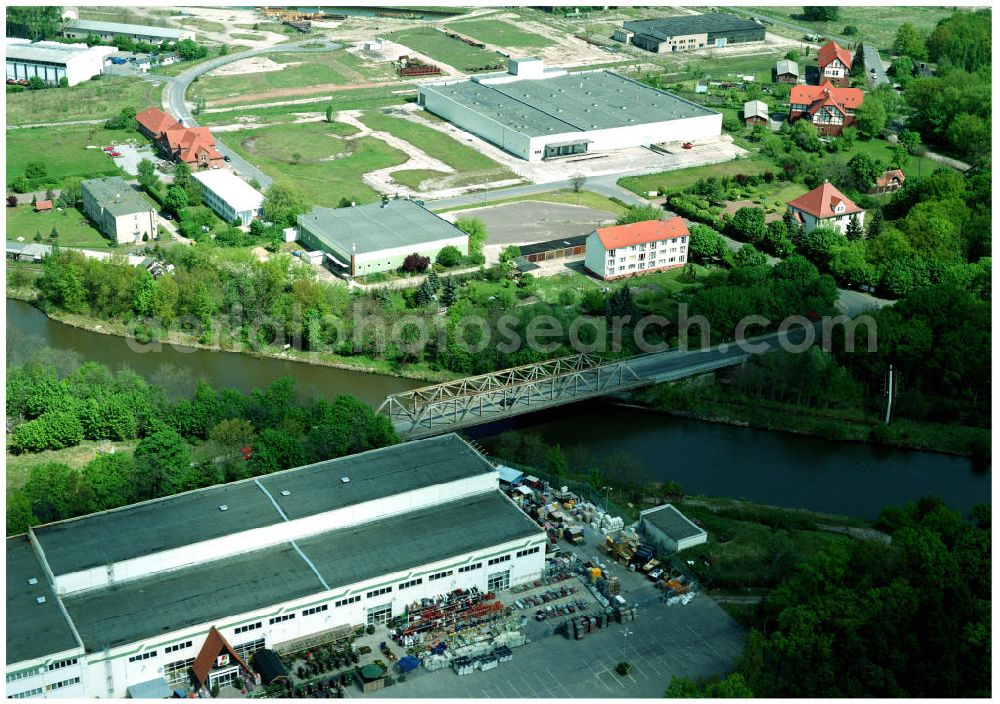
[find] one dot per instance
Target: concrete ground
(131, 156)
(695, 640)
(534, 221)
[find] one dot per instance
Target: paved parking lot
(695, 640)
(131, 156)
(535, 221)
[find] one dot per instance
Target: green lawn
(357, 99)
(878, 24)
(64, 150)
(443, 48)
(75, 457)
(472, 166)
(204, 25)
(90, 100)
(500, 33)
(74, 228)
(324, 68)
(246, 35)
(328, 167)
(588, 199)
(684, 178)
(880, 149)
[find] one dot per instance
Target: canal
(706, 458)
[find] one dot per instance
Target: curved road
(177, 86)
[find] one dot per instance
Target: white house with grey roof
(366, 239)
(129, 600)
(118, 210)
(537, 113)
(229, 196)
(670, 529)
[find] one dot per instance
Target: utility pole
(888, 402)
(625, 634)
(607, 494)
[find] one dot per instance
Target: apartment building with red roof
(638, 248)
(825, 206)
(828, 107)
(194, 146)
(153, 122)
(834, 64)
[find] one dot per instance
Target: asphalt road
(177, 86)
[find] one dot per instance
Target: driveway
(131, 156)
(174, 103)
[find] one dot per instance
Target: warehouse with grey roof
(101, 604)
(537, 113)
(670, 529)
(108, 31)
(366, 239)
(686, 32)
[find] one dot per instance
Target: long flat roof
(210, 593)
(194, 516)
(572, 102)
(120, 28)
(33, 630)
(231, 188)
(681, 25)
(116, 196)
(49, 52)
(374, 227)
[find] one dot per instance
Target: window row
(281, 618)
(412, 583)
(440, 575)
(178, 646)
(315, 609)
(249, 627)
(498, 560)
(30, 694)
(528, 551)
(65, 683)
(378, 592)
(143, 656)
(470, 568)
(348, 600)
(23, 674)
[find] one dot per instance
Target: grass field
(75, 457)
(324, 180)
(879, 149)
(588, 199)
(90, 100)
(63, 150)
(247, 35)
(204, 25)
(73, 227)
(684, 178)
(878, 24)
(357, 99)
(438, 46)
(500, 33)
(334, 67)
(472, 167)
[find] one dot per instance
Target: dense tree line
(867, 619)
(34, 22)
(242, 435)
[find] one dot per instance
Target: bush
(449, 256)
(623, 668)
(415, 264)
(370, 630)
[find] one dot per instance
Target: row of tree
(242, 435)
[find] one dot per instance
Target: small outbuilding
(786, 71)
(755, 113)
(269, 665)
(890, 180)
(509, 476)
(670, 529)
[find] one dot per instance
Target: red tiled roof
(826, 95)
(156, 121)
(830, 51)
(886, 178)
(641, 232)
(214, 645)
(188, 142)
(819, 202)
(43, 205)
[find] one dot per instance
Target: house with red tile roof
(641, 247)
(153, 122)
(890, 180)
(194, 146)
(834, 64)
(828, 107)
(825, 206)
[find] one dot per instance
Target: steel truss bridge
(442, 408)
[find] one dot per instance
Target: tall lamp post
(607, 494)
(625, 634)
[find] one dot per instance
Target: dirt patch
(293, 91)
(255, 64)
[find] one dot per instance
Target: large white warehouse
(537, 113)
(53, 61)
(128, 599)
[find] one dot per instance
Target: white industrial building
(109, 31)
(366, 239)
(670, 529)
(229, 196)
(537, 113)
(638, 248)
(53, 61)
(101, 605)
